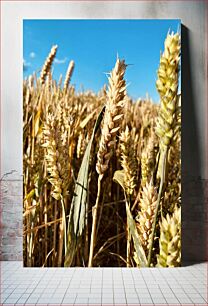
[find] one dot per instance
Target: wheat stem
(64, 223)
(54, 233)
(157, 205)
(60, 247)
(94, 223)
(128, 242)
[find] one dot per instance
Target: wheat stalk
(167, 86)
(111, 124)
(129, 165)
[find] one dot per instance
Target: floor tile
(115, 286)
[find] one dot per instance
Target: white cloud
(26, 64)
(32, 55)
(60, 61)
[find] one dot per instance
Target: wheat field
(102, 173)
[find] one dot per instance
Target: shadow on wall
(194, 223)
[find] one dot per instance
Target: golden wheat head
(167, 86)
(113, 115)
(47, 65)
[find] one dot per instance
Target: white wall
(192, 15)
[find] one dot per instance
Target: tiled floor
(105, 286)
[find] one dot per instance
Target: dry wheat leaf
(119, 178)
(137, 243)
(78, 206)
(36, 124)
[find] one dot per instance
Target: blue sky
(94, 45)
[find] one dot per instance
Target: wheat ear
(68, 75)
(148, 160)
(146, 214)
(128, 161)
(56, 157)
(47, 65)
(113, 115)
(167, 86)
(170, 240)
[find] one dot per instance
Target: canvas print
(102, 143)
